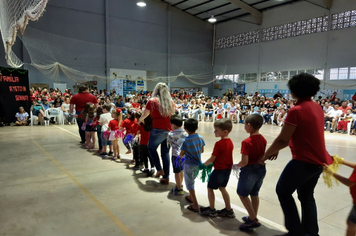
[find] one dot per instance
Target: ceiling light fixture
(212, 19)
(141, 3)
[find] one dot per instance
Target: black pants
(99, 139)
(136, 153)
(81, 132)
(145, 156)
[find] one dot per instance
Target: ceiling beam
(253, 11)
(179, 2)
(200, 4)
(328, 3)
(211, 9)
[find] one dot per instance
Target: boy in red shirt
(222, 161)
(350, 182)
(252, 173)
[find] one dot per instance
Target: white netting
(14, 16)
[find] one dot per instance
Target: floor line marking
(95, 200)
(240, 209)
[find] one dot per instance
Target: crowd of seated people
(236, 107)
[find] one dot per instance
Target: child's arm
(202, 149)
(182, 153)
(210, 160)
(244, 161)
(349, 163)
(342, 179)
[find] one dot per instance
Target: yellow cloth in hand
(332, 169)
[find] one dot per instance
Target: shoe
(110, 154)
(39, 123)
(179, 192)
(159, 173)
(82, 142)
(344, 132)
(226, 213)
(206, 211)
(249, 224)
(164, 181)
(136, 168)
(339, 131)
(150, 173)
(325, 128)
(45, 118)
(245, 218)
(175, 189)
(331, 131)
(145, 170)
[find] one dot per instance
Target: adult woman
(209, 109)
(161, 107)
(65, 108)
(270, 108)
(57, 102)
(194, 109)
(303, 130)
(79, 100)
(21, 117)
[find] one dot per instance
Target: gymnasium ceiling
(225, 10)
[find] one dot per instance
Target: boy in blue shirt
(192, 148)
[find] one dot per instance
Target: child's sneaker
(179, 192)
(249, 224)
(136, 168)
(206, 211)
(110, 154)
(226, 213)
(103, 154)
(175, 189)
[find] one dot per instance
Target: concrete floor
(51, 186)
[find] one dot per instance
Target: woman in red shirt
(161, 107)
(303, 131)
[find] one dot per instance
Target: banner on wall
(124, 81)
(117, 85)
(348, 93)
(273, 91)
(14, 93)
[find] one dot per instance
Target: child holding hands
(113, 127)
(350, 182)
(252, 173)
(222, 161)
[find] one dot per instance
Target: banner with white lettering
(14, 93)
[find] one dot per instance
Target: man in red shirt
(79, 100)
(344, 107)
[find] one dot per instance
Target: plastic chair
(55, 113)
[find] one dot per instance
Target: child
(88, 116)
(99, 111)
(233, 112)
(192, 148)
(144, 131)
(128, 122)
(220, 112)
(113, 127)
(252, 173)
(175, 140)
(136, 141)
(350, 182)
(104, 121)
(222, 161)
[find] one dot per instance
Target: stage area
(52, 186)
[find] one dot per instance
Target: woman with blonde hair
(161, 107)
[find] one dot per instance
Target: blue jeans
(267, 117)
(196, 113)
(159, 137)
(208, 113)
(303, 177)
(80, 123)
(68, 116)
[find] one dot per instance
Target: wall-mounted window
(343, 73)
(343, 20)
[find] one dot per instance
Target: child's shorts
(89, 128)
(177, 168)
(251, 179)
(105, 141)
(219, 178)
(190, 173)
(352, 215)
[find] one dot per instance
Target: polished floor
(51, 186)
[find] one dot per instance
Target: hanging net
(14, 16)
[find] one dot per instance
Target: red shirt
(353, 188)
(127, 124)
(134, 128)
(158, 121)
(223, 152)
(307, 142)
(145, 136)
(254, 147)
(344, 110)
(80, 99)
(354, 98)
(135, 105)
(114, 125)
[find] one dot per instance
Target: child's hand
(328, 169)
(235, 167)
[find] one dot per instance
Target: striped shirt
(192, 146)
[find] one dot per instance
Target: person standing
(303, 131)
(161, 107)
(79, 100)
